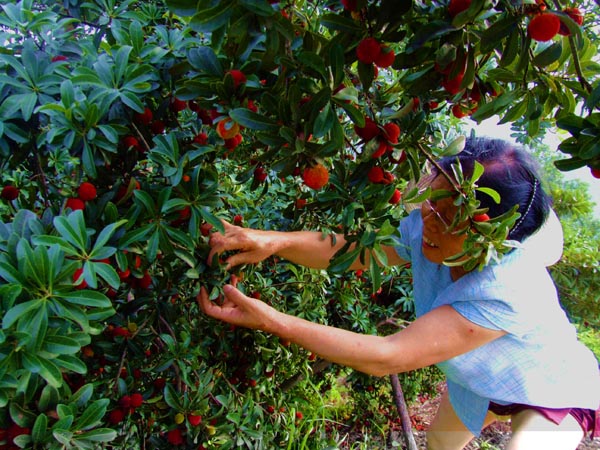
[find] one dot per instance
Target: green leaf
(62, 436)
(104, 236)
(355, 114)
(50, 372)
(98, 435)
(61, 345)
(259, 7)
(491, 192)
(10, 274)
(171, 398)
(55, 240)
(18, 311)
(40, 428)
(205, 60)
(182, 7)
(313, 61)
(501, 28)
(211, 19)
(337, 22)
(550, 55)
(86, 298)
(83, 395)
(71, 364)
(252, 120)
(72, 229)
(92, 415)
(324, 121)
(343, 262)
(108, 274)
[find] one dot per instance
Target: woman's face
(439, 242)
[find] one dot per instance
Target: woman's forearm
(365, 353)
(309, 248)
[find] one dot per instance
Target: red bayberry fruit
(58, 58)
(396, 196)
(205, 228)
(144, 117)
(368, 50)
(452, 85)
(238, 219)
(369, 131)
(194, 419)
(146, 281)
(177, 105)
(576, 15)
(87, 191)
(350, 5)
(124, 274)
(383, 148)
(201, 138)
(458, 111)
(595, 172)
(175, 437)
(194, 106)
(458, 6)
(299, 415)
(131, 142)
(9, 193)
(157, 127)
(481, 217)
(385, 58)
(232, 143)
(75, 204)
(543, 27)
(238, 77)
(136, 400)
(125, 401)
(391, 132)
(227, 128)
(300, 203)
(260, 174)
(76, 275)
(116, 416)
(375, 174)
(315, 177)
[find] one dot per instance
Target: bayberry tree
(129, 129)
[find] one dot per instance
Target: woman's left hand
(238, 309)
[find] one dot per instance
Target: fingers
(203, 301)
(221, 242)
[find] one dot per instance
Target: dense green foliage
(127, 129)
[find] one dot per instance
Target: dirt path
(497, 434)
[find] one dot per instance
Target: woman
(498, 334)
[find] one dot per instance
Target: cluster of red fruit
(85, 192)
(371, 51)
(544, 25)
(127, 405)
(387, 136)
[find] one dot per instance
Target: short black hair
(512, 172)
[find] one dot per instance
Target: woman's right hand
(251, 246)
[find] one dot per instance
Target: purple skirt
(588, 419)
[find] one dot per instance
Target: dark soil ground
(496, 436)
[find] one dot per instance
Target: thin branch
(403, 412)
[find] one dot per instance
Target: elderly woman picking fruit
(499, 334)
